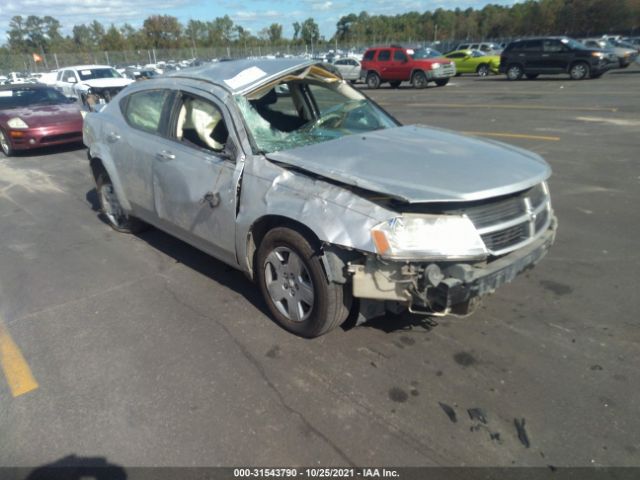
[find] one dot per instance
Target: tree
(274, 32)
(162, 31)
(309, 31)
(113, 40)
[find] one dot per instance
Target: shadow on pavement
(78, 468)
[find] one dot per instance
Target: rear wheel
(294, 286)
(579, 71)
(419, 80)
(373, 80)
(514, 72)
(395, 84)
(441, 82)
(5, 145)
(112, 210)
(483, 70)
(532, 76)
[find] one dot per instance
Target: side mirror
(73, 80)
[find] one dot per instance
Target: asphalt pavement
(142, 351)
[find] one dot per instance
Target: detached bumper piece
(443, 288)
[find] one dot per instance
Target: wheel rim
(483, 71)
(372, 81)
(419, 80)
(289, 284)
(3, 143)
(579, 71)
(111, 206)
(514, 72)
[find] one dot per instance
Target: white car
(91, 83)
(349, 68)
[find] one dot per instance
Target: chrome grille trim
(508, 224)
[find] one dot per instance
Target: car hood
(45, 115)
(106, 82)
(418, 164)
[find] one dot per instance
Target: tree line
(42, 35)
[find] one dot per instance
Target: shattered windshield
(299, 113)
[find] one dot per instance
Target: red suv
(395, 64)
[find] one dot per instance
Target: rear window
(369, 55)
(384, 55)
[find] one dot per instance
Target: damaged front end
(98, 96)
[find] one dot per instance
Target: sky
(251, 14)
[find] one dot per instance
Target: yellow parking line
(16, 369)
(522, 106)
(514, 135)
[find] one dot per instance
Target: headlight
(597, 54)
(413, 236)
(435, 65)
(17, 123)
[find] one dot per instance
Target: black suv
(534, 56)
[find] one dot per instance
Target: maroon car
(33, 116)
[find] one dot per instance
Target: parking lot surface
(145, 352)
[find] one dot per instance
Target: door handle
(165, 155)
(113, 137)
(545, 54)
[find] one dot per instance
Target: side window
(553, 46)
(532, 46)
(201, 124)
(464, 46)
(457, 55)
(340, 62)
(59, 76)
(68, 76)
(144, 109)
(369, 55)
(399, 56)
(384, 55)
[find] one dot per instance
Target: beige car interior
(201, 123)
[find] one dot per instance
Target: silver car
(349, 68)
(284, 171)
(625, 56)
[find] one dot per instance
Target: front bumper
(440, 286)
(443, 71)
(25, 139)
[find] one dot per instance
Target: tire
(579, 71)
(395, 84)
(111, 209)
(441, 82)
(294, 286)
(483, 70)
(514, 72)
(419, 79)
(532, 76)
(373, 80)
(5, 146)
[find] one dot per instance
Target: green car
(474, 61)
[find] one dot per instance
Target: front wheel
(373, 80)
(579, 71)
(483, 70)
(112, 210)
(419, 80)
(441, 82)
(514, 72)
(294, 286)
(5, 145)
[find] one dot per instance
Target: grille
(513, 221)
(448, 69)
(505, 238)
(61, 137)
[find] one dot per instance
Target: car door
(384, 64)
(530, 55)
(196, 171)
(69, 80)
(461, 60)
(399, 68)
(555, 55)
(134, 143)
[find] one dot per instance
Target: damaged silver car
(284, 171)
